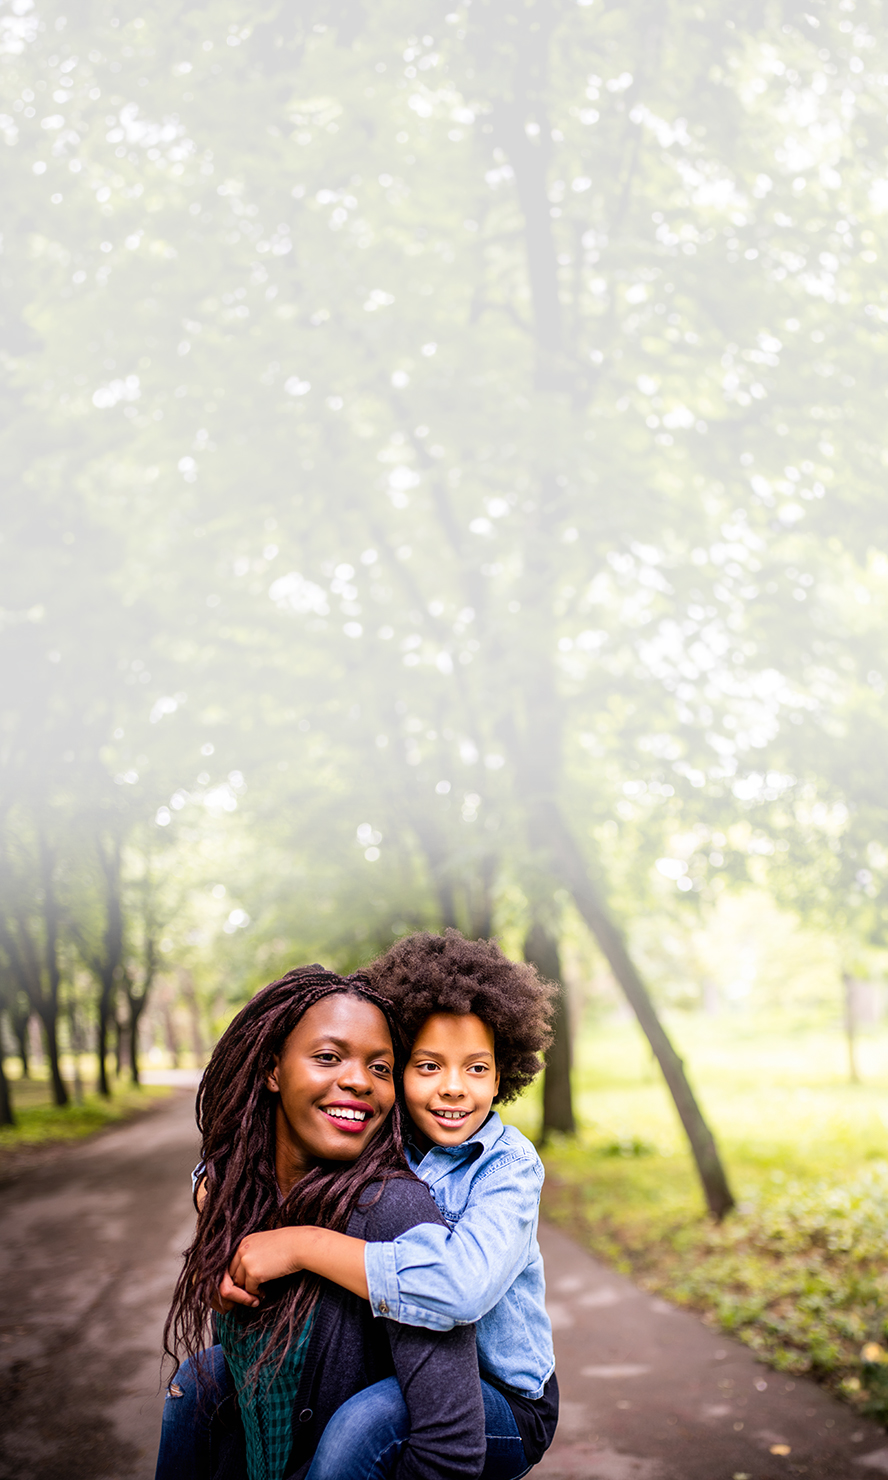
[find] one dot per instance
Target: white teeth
(451, 1114)
(340, 1112)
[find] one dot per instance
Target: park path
(90, 1245)
(90, 1240)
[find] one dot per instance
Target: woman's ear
(271, 1078)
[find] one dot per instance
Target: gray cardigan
(349, 1350)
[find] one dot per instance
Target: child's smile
(451, 1079)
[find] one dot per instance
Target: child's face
(451, 1078)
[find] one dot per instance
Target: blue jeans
(362, 1441)
(186, 1434)
(364, 1437)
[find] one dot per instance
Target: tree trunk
(112, 957)
(575, 875)
(34, 966)
(121, 1047)
(169, 1028)
(103, 1084)
(76, 1037)
(541, 950)
(19, 1022)
(49, 1005)
(7, 1115)
(134, 1018)
(51, 1039)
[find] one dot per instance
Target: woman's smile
(348, 1115)
(334, 1084)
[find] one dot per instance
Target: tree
(29, 935)
(525, 347)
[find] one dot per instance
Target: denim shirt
(485, 1266)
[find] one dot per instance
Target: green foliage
(800, 1278)
(798, 1271)
(413, 411)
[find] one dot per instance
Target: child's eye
(478, 1068)
(428, 1065)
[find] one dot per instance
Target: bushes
(798, 1272)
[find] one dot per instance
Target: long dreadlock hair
(236, 1116)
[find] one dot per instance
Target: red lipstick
(351, 1123)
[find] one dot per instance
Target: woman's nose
(355, 1076)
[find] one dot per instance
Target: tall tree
(530, 330)
(29, 932)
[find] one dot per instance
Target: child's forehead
(456, 1031)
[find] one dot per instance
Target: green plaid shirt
(266, 1409)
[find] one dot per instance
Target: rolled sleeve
(384, 1290)
(441, 1277)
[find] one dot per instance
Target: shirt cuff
(385, 1295)
(382, 1279)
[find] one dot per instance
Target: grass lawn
(39, 1121)
(799, 1271)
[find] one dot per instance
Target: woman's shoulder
(390, 1207)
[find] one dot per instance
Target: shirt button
(305, 1415)
(382, 1307)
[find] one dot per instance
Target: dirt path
(89, 1249)
(90, 1243)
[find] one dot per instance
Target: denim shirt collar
(444, 1156)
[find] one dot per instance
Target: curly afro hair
(425, 974)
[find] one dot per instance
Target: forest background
(444, 458)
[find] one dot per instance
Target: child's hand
(229, 1295)
(261, 1257)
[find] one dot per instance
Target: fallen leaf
(781, 1449)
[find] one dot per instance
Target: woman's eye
(327, 1058)
(383, 1069)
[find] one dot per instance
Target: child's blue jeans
(364, 1437)
(362, 1441)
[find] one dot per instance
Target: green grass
(39, 1122)
(798, 1272)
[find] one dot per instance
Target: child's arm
(435, 1276)
(281, 1251)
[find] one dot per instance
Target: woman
(300, 1124)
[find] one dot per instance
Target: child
(476, 1022)
(299, 1122)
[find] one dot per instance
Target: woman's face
(334, 1082)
